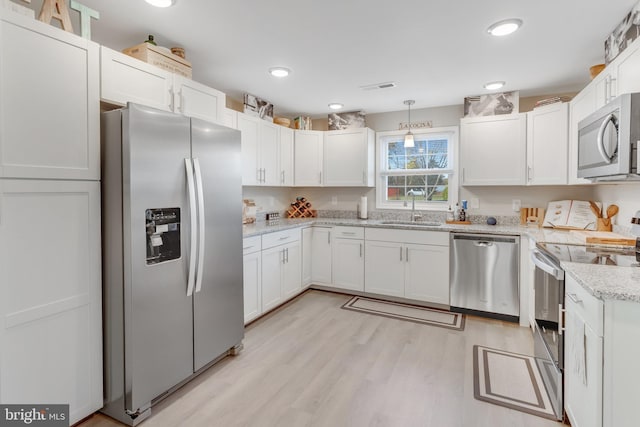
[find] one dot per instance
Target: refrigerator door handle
(193, 217)
(201, 215)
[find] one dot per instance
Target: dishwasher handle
(482, 244)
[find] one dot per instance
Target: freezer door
(218, 305)
(157, 311)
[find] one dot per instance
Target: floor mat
(511, 380)
(411, 313)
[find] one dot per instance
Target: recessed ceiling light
(503, 28)
(161, 3)
(493, 85)
(279, 71)
(335, 106)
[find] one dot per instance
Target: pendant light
(408, 138)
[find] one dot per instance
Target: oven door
(548, 338)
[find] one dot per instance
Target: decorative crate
(161, 58)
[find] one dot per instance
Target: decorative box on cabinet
(49, 102)
(547, 145)
(349, 158)
(493, 150)
(127, 79)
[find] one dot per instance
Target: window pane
(427, 188)
(395, 193)
(396, 181)
(438, 154)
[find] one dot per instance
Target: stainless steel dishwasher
(484, 275)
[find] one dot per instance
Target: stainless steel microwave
(608, 141)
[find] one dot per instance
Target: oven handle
(543, 264)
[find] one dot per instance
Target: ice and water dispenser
(163, 234)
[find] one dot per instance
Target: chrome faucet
(414, 193)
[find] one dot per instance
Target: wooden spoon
(595, 209)
(612, 211)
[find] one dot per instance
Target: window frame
(383, 138)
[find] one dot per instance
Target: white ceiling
(437, 51)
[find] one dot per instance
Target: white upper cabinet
(230, 118)
(349, 157)
(627, 70)
(308, 158)
(194, 99)
(260, 151)
(286, 156)
(127, 79)
(49, 102)
(493, 150)
(547, 141)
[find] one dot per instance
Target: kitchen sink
(412, 223)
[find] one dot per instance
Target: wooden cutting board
(603, 238)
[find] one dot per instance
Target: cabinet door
(51, 294)
(321, 260)
(427, 273)
(248, 126)
(252, 280)
(605, 87)
(627, 70)
(230, 118)
(268, 153)
(286, 156)
(580, 107)
(493, 150)
(346, 157)
(307, 236)
(127, 79)
(308, 158)
(272, 260)
(348, 264)
(384, 268)
(291, 273)
(547, 145)
(194, 99)
(583, 396)
(49, 103)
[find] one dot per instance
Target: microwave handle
(607, 158)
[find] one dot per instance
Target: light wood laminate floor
(311, 363)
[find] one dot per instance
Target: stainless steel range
(549, 304)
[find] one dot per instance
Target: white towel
(578, 345)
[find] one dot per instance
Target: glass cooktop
(625, 256)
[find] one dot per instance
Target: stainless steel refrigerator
(172, 253)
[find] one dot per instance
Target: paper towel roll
(363, 207)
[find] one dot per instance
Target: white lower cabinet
(408, 264)
(51, 294)
(281, 267)
(252, 277)
(321, 260)
(583, 356)
(307, 235)
(348, 258)
(605, 336)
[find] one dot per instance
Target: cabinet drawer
(280, 238)
(349, 232)
(251, 245)
(589, 308)
(439, 238)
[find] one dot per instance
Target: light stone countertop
(602, 281)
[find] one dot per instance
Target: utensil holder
(603, 224)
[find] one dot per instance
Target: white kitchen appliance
(608, 141)
(172, 253)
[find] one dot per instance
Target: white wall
(269, 199)
(440, 116)
(625, 195)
